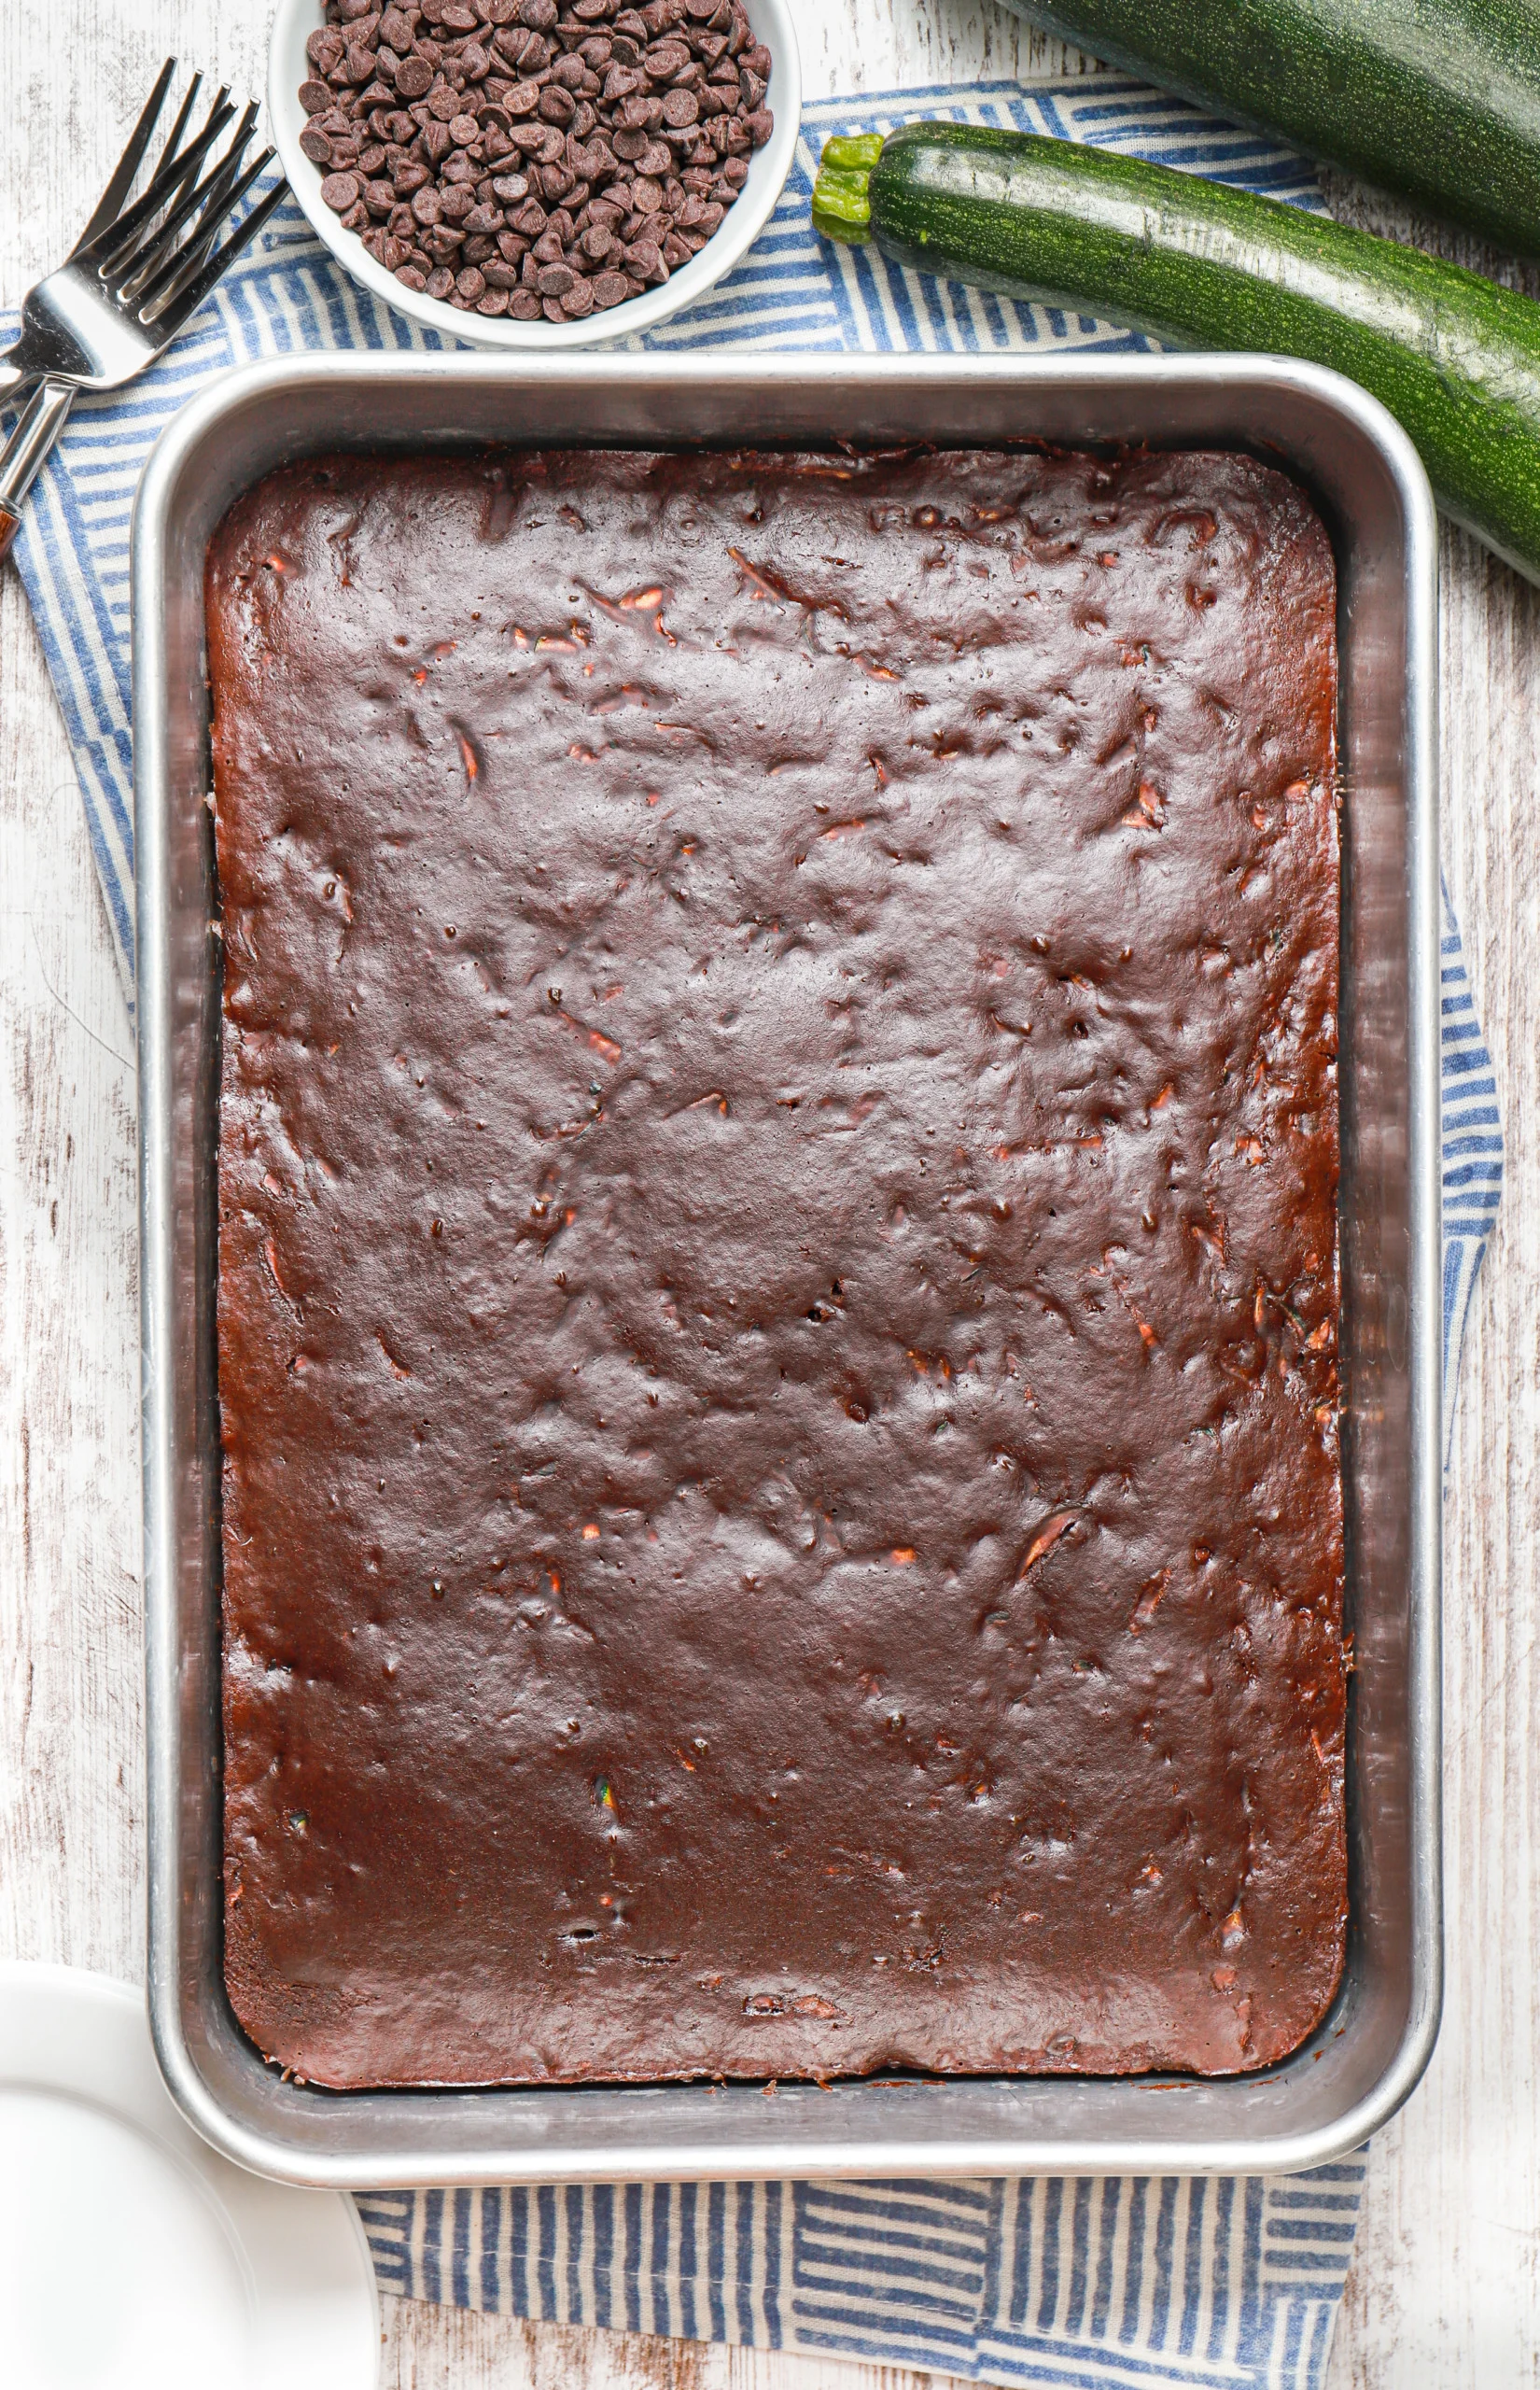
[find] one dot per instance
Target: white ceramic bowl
(768, 168)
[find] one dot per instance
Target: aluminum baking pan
(1372, 2047)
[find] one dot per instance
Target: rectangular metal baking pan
(1375, 2042)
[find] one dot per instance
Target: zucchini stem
(842, 204)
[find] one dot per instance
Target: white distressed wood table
(1445, 2288)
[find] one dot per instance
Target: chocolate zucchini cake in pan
(777, 1265)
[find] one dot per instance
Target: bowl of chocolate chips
(536, 174)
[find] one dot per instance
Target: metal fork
(139, 271)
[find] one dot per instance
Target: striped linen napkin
(1126, 2281)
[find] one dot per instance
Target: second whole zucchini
(1454, 357)
(1437, 98)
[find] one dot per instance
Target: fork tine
(110, 205)
(177, 307)
(164, 288)
(118, 238)
(212, 199)
(183, 113)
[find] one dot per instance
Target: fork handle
(26, 452)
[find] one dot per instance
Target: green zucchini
(1455, 358)
(1436, 98)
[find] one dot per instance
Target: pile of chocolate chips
(525, 158)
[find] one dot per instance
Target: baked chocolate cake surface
(777, 1285)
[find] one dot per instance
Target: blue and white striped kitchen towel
(1126, 2281)
(1119, 2280)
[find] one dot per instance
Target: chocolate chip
(526, 306)
(492, 302)
(339, 192)
(611, 290)
(413, 78)
(440, 282)
(759, 126)
(509, 188)
(579, 301)
(315, 97)
(315, 145)
(552, 280)
(646, 196)
(413, 276)
(645, 258)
